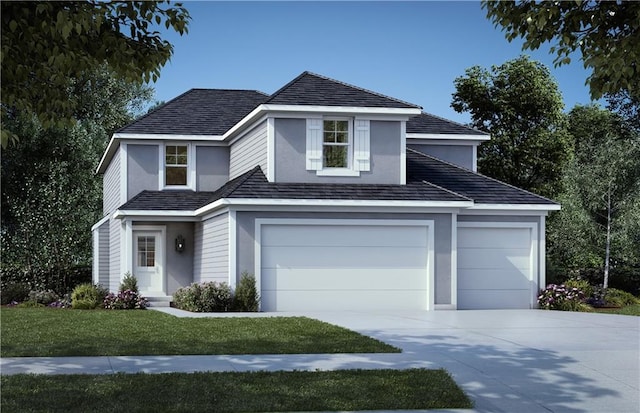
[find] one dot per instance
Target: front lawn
(633, 309)
(344, 390)
(58, 332)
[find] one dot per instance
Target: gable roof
(310, 89)
(430, 124)
(198, 112)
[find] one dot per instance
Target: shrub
(87, 296)
(30, 304)
(125, 300)
(14, 292)
(205, 297)
(43, 297)
(246, 296)
(560, 297)
(581, 284)
(129, 282)
(619, 298)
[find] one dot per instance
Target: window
(335, 143)
(146, 251)
(176, 165)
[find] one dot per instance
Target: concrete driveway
(519, 360)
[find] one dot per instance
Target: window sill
(337, 172)
(177, 187)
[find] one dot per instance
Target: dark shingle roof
(482, 189)
(311, 89)
(198, 112)
(427, 123)
(168, 200)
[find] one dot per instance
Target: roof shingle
(431, 124)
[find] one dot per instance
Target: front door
(147, 266)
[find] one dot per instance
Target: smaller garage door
(348, 266)
(495, 266)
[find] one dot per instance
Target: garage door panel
(490, 238)
(489, 279)
(493, 299)
(494, 259)
(342, 278)
(343, 257)
(344, 235)
(341, 300)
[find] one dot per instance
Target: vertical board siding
(111, 186)
(249, 151)
(211, 249)
(103, 254)
(114, 255)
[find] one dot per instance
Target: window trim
(339, 171)
(191, 166)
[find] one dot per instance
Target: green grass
(633, 309)
(345, 390)
(56, 332)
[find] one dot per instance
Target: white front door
(148, 259)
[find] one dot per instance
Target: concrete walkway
(506, 360)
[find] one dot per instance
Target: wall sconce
(179, 243)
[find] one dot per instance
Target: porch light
(179, 243)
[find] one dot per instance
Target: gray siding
(290, 154)
(442, 238)
(103, 254)
(114, 255)
(179, 271)
(461, 155)
(111, 185)
(211, 250)
(212, 167)
(249, 151)
(142, 169)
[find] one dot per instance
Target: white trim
(441, 307)
(447, 142)
(162, 229)
(516, 207)
(191, 166)
(448, 136)
(100, 223)
(95, 267)
(534, 255)
(107, 151)
(214, 214)
(403, 153)
(232, 249)
(369, 116)
(474, 158)
(160, 136)
(454, 261)
(542, 267)
(271, 149)
(337, 172)
(429, 224)
(249, 129)
(351, 110)
(124, 170)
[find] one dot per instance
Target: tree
(519, 105)
(627, 106)
(598, 225)
(44, 44)
(51, 195)
(607, 34)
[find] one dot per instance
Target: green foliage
(619, 298)
(605, 34)
(44, 44)
(520, 106)
(605, 168)
(87, 297)
(17, 292)
(205, 297)
(562, 297)
(43, 297)
(30, 304)
(129, 282)
(581, 285)
(246, 296)
(125, 300)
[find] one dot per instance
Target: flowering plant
(125, 300)
(561, 297)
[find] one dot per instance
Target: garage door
(495, 267)
(343, 266)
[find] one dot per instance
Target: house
(333, 196)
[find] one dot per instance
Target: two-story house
(333, 196)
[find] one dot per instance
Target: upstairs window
(176, 165)
(336, 143)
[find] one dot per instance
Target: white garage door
(343, 266)
(495, 267)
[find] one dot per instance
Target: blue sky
(408, 50)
